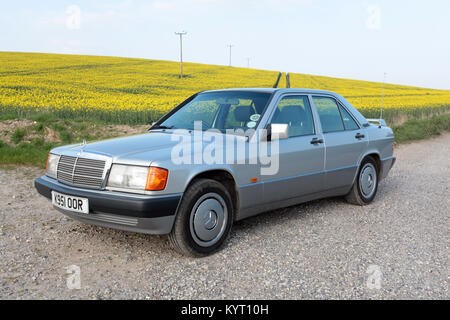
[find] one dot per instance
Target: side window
(329, 114)
(349, 123)
(296, 112)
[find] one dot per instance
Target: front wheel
(204, 219)
(366, 185)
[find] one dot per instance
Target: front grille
(81, 172)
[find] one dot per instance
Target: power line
(181, 34)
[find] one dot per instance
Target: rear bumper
(386, 166)
(118, 210)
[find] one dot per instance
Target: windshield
(220, 110)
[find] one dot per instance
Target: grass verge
(419, 129)
(27, 141)
(33, 153)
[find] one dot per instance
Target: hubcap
(208, 219)
(211, 220)
(368, 180)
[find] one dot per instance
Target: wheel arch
(224, 177)
(376, 156)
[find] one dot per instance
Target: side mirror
(279, 131)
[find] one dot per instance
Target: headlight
(52, 164)
(135, 177)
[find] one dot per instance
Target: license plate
(70, 203)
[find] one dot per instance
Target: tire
(365, 187)
(204, 219)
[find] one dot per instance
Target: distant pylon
(181, 34)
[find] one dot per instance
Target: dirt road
(398, 247)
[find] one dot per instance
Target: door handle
(316, 141)
(359, 136)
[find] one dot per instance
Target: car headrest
(291, 114)
(243, 113)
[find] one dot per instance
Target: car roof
(273, 90)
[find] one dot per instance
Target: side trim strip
(302, 175)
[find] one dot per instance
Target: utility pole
(248, 62)
(181, 34)
(230, 46)
(382, 96)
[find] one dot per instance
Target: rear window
(349, 123)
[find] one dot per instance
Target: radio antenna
(382, 96)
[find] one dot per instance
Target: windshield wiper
(162, 127)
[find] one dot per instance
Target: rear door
(301, 156)
(345, 141)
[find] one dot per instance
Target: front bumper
(118, 210)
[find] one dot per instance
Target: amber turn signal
(46, 163)
(156, 179)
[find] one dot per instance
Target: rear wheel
(204, 219)
(365, 187)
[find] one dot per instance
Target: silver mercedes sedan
(219, 157)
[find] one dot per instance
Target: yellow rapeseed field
(400, 102)
(119, 89)
(129, 90)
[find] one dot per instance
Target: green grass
(33, 153)
(18, 135)
(422, 129)
(30, 146)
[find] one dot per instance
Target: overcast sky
(359, 39)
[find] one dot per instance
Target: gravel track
(322, 249)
